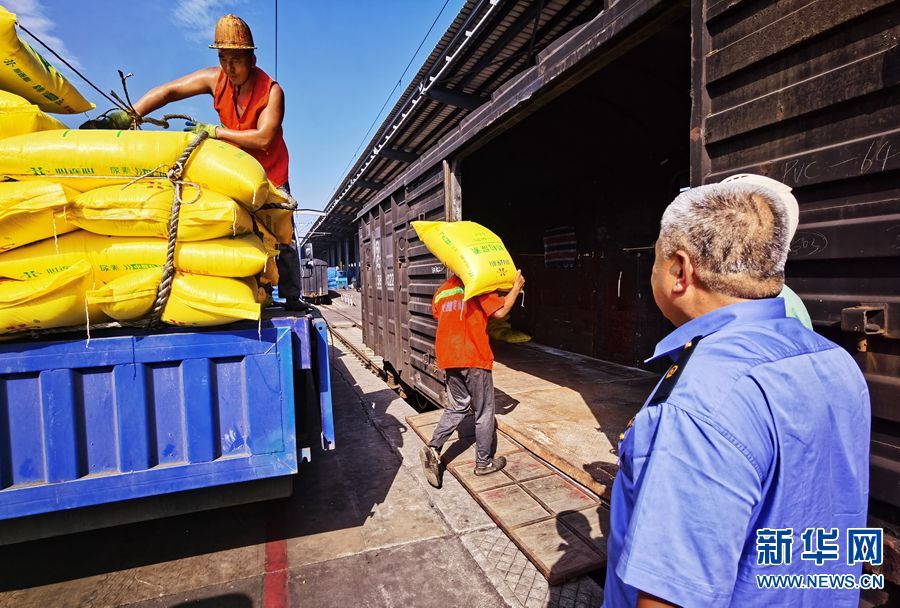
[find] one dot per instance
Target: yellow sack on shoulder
(472, 252)
(114, 256)
(24, 72)
(144, 209)
(195, 300)
(18, 116)
(93, 158)
(56, 300)
(32, 211)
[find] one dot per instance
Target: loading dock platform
(566, 409)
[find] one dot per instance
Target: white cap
(783, 191)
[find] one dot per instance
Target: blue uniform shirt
(766, 427)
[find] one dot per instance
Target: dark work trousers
(288, 262)
(469, 388)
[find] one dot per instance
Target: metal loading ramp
(559, 416)
(560, 526)
(566, 408)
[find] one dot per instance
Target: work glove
(118, 120)
(200, 127)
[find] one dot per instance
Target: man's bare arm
(196, 83)
(509, 299)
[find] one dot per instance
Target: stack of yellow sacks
(73, 221)
(107, 246)
(501, 330)
(82, 242)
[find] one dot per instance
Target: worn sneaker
(431, 462)
(492, 467)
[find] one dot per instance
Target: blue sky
(337, 61)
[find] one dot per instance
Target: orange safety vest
(274, 159)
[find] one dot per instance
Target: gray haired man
(794, 306)
(754, 443)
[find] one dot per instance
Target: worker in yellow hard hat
(250, 105)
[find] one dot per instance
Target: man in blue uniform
(758, 432)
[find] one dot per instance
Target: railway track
(365, 355)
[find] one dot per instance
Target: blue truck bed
(121, 417)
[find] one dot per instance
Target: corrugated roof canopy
(485, 46)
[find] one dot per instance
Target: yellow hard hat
(232, 32)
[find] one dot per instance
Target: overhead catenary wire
(71, 67)
(276, 39)
(391, 94)
(424, 86)
(442, 63)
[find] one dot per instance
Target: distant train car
(314, 281)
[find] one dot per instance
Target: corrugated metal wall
(806, 92)
(424, 274)
(399, 278)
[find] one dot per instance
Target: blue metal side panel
(302, 343)
(323, 371)
(311, 352)
(131, 416)
(24, 427)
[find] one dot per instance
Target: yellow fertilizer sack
(92, 158)
(502, 330)
(24, 72)
(114, 256)
(32, 211)
(144, 209)
(57, 300)
(18, 116)
(276, 219)
(269, 274)
(195, 300)
(472, 252)
(279, 222)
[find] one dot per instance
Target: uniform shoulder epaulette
(674, 373)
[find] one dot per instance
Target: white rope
(55, 236)
(87, 321)
(196, 198)
(145, 175)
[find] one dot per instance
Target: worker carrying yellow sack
(472, 252)
(24, 72)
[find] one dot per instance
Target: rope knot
(174, 174)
